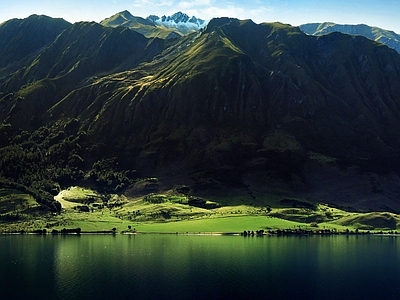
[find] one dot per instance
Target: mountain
(78, 53)
(289, 81)
(153, 26)
(24, 38)
(179, 20)
(377, 34)
(125, 19)
(263, 108)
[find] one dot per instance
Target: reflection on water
(199, 267)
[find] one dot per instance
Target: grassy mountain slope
(21, 39)
(239, 107)
(82, 51)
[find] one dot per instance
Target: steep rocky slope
(242, 82)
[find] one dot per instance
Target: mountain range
(153, 26)
(377, 34)
(262, 108)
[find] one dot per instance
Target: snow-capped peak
(179, 20)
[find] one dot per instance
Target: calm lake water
(199, 267)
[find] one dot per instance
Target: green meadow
(170, 212)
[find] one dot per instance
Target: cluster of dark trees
(252, 233)
(11, 217)
(37, 162)
(300, 231)
(55, 231)
(201, 202)
(76, 231)
(41, 162)
(109, 176)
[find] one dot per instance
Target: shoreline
(278, 232)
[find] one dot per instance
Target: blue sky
(381, 13)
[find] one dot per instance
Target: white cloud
(261, 14)
(209, 12)
(208, 9)
(186, 5)
(152, 3)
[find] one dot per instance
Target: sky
(380, 13)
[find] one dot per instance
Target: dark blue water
(199, 267)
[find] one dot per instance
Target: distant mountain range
(180, 24)
(179, 19)
(259, 107)
(377, 34)
(153, 26)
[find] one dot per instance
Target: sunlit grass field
(171, 213)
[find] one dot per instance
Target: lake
(148, 266)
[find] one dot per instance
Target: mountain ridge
(169, 27)
(35, 32)
(387, 37)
